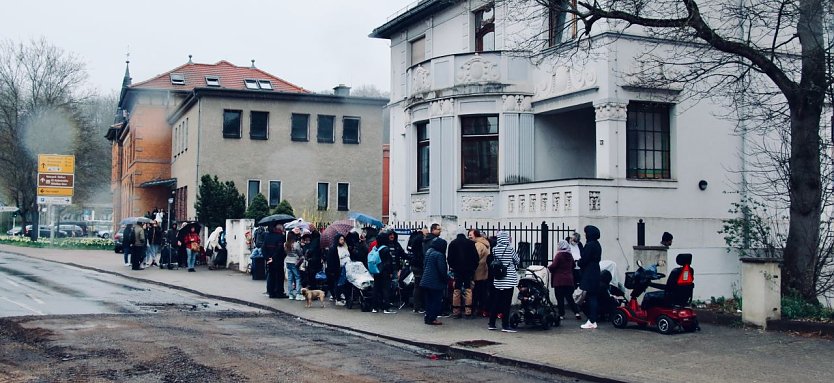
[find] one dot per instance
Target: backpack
(260, 237)
(374, 260)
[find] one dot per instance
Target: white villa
(482, 133)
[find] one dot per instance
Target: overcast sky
(316, 44)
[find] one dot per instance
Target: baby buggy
(361, 286)
(536, 308)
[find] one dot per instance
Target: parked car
(43, 232)
(17, 230)
(80, 225)
(71, 230)
(106, 234)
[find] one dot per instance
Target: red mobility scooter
(668, 310)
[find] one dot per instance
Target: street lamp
(170, 201)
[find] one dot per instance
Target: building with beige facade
(322, 153)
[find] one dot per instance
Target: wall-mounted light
(702, 185)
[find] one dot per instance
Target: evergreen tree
(258, 208)
(218, 201)
(284, 208)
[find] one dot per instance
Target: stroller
(536, 308)
(168, 257)
(361, 286)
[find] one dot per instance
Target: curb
(449, 351)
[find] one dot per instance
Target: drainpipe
(199, 133)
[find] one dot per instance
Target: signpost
(56, 183)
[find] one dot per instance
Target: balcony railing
(476, 72)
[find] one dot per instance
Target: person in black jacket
(463, 260)
(415, 248)
(333, 267)
(274, 253)
(435, 277)
(382, 281)
(589, 264)
(312, 252)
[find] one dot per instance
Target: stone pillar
(610, 138)
(516, 137)
(761, 290)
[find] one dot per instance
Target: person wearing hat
(666, 239)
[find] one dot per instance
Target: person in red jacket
(561, 279)
(192, 246)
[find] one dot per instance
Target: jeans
(433, 299)
(192, 258)
(150, 255)
(126, 251)
(293, 280)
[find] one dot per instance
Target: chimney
(341, 90)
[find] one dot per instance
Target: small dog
(311, 295)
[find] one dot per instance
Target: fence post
(544, 248)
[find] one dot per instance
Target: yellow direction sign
(55, 163)
(54, 192)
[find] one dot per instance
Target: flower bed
(62, 243)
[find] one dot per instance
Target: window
(300, 124)
(561, 24)
(258, 125)
(422, 155)
(647, 141)
(231, 123)
(212, 81)
(251, 83)
(323, 195)
(350, 131)
(265, 84)
(177, 79)
(485, 29)
(274, 193)
(479, 150)
(325, 129)
(253, 190)
(343, 191)
(418, 50)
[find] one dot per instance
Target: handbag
(195, 246)
(498, 268)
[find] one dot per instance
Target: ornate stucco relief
(564, 80)
(418, 205)
(420, 79)
(517, 103)
(477, 203)
(478, 69)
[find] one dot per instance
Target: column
(516, 139)
(610, 138)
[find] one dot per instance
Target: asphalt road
(61, 323)
(34, 287)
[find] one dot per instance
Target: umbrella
(366, 219)
(299, 223)
(134, 220)
(276, 219)
(185, 229)
(335, 228)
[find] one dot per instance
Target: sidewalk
(716, 353)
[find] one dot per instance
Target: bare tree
(770, 55)
(40, 85)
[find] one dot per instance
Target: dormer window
(251, 83)
(177, 79)
(212, 80)
(265, 84)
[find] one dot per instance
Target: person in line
(192, 247)
(213, 245)
(127, 242)
(337, 258)
(561, 279)
(463, 260)
(576, 246)
(480, 293)
(502, 289)
(295, 254)
(435, 278)
(589, 264)
(666, 239)
(313, 255)
(274, 254)
(382, 280)
(415, 247)
(138, 251)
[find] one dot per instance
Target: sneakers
(340, 303)
(561, 317)
(492, 327)
(508, 330)
(589, 325)
(389, 311)
(127, 264)
(578, 317)
(299, 298)
(191, 270)
(374, 311)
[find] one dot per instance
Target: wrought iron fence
(535, 243)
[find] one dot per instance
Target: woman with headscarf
(502, 289)
(561, 278)
(589, 264)
(435, 278)
(213, 245)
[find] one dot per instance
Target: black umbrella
(134, 220)
(276, 219)
(185, 229)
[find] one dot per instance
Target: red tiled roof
(231, 77)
